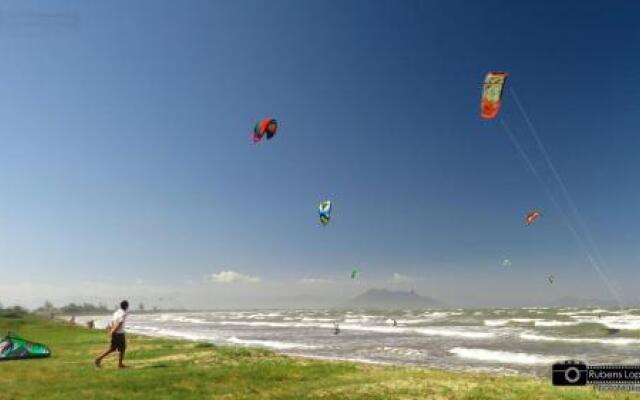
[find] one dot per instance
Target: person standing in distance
(116, 329)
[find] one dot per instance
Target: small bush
(204, 345)
(14, 312)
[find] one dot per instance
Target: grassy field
(169, 369)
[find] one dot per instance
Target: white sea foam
(549, 323)
(613, 321)
(402, 351)
(503, 357)
(180, 318)
(263, 315)
(503, 322)
(410, 321)
(363, 319)
(441, 314)
(270, 343)
(275, 324)
(534, 321)
(159, 332)
(191, 320)
(466, 333)
(317, 319)
(611, 341)
(432, 331)
(574, 312)
(496, 322)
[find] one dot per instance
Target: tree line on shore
(49, 310)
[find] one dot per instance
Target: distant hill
(388, 299)
(572, 301)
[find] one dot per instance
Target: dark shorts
(118, 342)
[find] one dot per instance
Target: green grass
(169, 369)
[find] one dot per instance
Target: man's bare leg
(102, 356)
(120, 359)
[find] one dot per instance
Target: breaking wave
(611, 341)
(503, 357)
(273, 344)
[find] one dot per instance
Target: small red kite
(267, 126)
(532, 216)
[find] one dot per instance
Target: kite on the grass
(13, 347)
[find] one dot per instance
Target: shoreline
(398, 364)
(429, 346)
(511, 344)
(477, 370)
(470, 370)
(161, 368)
(496, 371)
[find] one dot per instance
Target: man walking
(118, 342)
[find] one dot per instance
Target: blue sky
(126, 167)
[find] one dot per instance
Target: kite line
(592, 260)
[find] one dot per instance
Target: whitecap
(503, 357)
(270, 343)
(611, 341)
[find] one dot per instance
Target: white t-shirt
(119, 316)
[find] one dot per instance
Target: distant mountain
(388, 299)
(572, 301)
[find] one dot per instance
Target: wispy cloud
(399, 278)
(315, 281)
(232, 277)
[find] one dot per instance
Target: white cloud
(232, 276)
(314, 281)
(399, 278)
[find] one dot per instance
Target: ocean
(503, 341)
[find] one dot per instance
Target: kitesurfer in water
(336, 328)
(395, 323)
